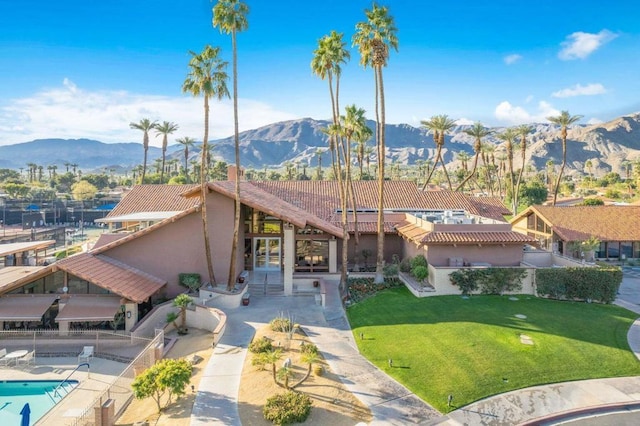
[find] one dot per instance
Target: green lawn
(471, 348)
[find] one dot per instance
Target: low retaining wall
(222, 300)
(306, 285)
(439, 279)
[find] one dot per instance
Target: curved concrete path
(391, 403)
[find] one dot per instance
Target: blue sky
(84, 68)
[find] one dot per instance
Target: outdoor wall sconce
(128, 314)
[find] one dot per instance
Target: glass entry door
(268, 253)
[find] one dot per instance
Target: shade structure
(25, 307)
(89, 308)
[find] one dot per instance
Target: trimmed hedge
(590, 284)
(489, 280)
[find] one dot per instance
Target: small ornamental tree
(166, 376)
(182, 301)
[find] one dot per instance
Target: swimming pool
(40, 394)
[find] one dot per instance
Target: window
(312, 255)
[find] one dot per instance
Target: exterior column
(130, 315)
(333, 256)
(288, 260)
(63, 328)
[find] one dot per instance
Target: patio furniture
(3, 360)
(14, 356)
(86, 354)
(27, 359)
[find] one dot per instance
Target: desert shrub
(420, 272)
(308, 348)
(419, 260)
(465, 279)
(286, 408)
(281, 324)
(390, 270)
(191, 281)
(261, 345)
(405, 265)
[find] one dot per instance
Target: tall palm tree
(145, 125)
(508, 135)
(523, 131)
(230, 16)
(186, 142)
(439, 125)
(355, 128)
(165, 129)
(327, 62)
(374, 38)
(207, 78)
(477, 131)
(563, 120)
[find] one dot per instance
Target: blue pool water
(40, 394)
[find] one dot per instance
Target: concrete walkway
(390, 402)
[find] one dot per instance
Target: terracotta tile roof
(12, 277)
(480, 237)
(368, 222)
(322, 199)
(489, 207)
(255, 197)
(107, 238)
(154, 198)
(112, 275)
(411, 231)
(578, 223)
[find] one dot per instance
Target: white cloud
(579, 45)
(513, 114)
(71, 112)
(464, 122)
(512, 59)
(594, 120)
(580, 90)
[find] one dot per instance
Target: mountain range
(607, 145)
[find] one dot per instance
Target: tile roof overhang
(578, 223)
(256, 198)
(411, 231)
(154, 198)
(25, 307)
(12, 277)
(476, 237)
(112, 275)
(13, 248)
(89, 308)
(139, 217)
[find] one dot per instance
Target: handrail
(55, 391)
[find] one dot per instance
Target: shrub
(191, 281)
(420, 272)
(288, 407)
(419, 260)
(405, 265)
(465, 280)
(261, 345)
(390, 270)
(281, 324)
(308, 348)
(597, 284)
(361, 288)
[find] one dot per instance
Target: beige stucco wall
(439, 279)
(496, 255)
(393, 244)
(179, 246)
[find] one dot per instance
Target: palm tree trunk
(473, 172)
(236, 224)
(433, 169)
(516, 192)
(203, 198)
(564, 162)
(379, 278)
